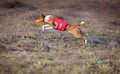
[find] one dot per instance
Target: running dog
(60, 25)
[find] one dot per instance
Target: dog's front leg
(45, 27)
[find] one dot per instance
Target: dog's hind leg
(78, 36)
(83, 38)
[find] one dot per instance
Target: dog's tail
(82, 25)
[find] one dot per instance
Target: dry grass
(25, 50)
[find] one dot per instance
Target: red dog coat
(60, 26)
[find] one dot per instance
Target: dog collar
(47, 17)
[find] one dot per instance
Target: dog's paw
(86, 41)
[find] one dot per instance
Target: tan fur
(74, 29)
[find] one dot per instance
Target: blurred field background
(25, 50)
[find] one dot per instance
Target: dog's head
(40, 20)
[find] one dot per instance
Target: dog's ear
(42, 14)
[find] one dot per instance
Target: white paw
(86, 41)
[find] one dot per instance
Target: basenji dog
(60, 25)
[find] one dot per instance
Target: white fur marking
(82, 22)
(86, 41)
(47, 18)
